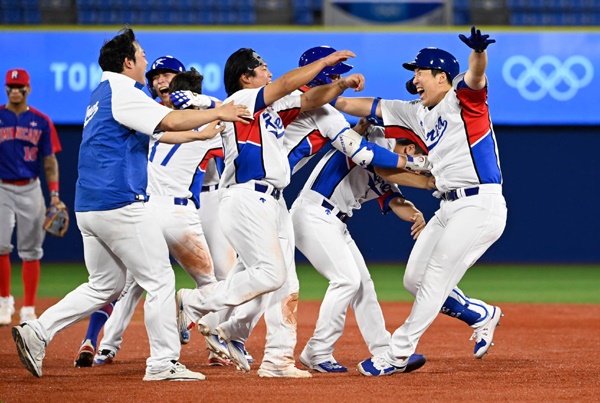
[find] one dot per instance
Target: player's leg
(118, 321)
(7, 226)
(469, 228)
(365, 305)
(87, 350)
(250, 222)
(281, 312)
(223, 255)
(321, 238)
(30, 236)
(141, 246)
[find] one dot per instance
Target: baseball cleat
(236, 350)
(183, 323)
(7, 310)
(378, 366)
(104, 356)
(85, 355)
(268, 370)
(177, 372)
(324, 366)
(30, 348)
(215, 361)
(27, 313)
(484, 335)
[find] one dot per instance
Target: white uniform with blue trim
(120, 232)
(253, 216)
(462, 148)
(175, 175)
(334, 189)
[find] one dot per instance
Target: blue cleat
(378, 366)
(324, 367)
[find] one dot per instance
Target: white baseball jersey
(457, 132)
(346, 185)
(255, 151)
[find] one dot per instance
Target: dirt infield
(541, 353)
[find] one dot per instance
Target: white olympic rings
(547, 75)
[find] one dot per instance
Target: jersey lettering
(274, 127)
(436, 134)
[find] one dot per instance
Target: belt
(179, 201)
(209, 188)
(452, 195)
(18, 182)
(342, 216)
(276, 193)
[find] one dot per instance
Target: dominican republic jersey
(113, 157)
(178, 169)
(347, 185)
(310, 132)
(23, 140)
(255, 151)
(457, 132)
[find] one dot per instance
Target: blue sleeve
(260, 101)
(382, 157)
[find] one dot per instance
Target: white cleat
(484, 335)
(177, 372)
(30, 348)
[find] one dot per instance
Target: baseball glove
(57, 219)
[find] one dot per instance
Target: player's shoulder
(41, 114)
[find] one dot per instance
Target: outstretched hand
(234, 113)
(476, 41)
(185, 99)
(339, 56)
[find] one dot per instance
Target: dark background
(551, 185)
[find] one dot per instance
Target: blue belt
(180, 201)
(342, 216)
(209, 188)
(276, 193)
(452, 195)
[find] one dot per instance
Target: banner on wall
(547, 78)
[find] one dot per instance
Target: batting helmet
(432, 58)
(160, 65)
(317, 53)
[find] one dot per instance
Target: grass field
(514, 283)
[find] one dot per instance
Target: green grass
(494, 283)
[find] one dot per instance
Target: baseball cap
(17, 77)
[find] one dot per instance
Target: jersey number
(30, 153)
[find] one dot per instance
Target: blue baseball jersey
(113, 157)
(23, 140)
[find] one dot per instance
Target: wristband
(374, 106)
(53, 187)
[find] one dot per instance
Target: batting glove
(418, 163)
(186, 99)
(476, 41)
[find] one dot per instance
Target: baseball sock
(97, 321)
(4, 275)
(31, 279)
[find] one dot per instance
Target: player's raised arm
(323, 94)
(296, 78)
(358, 107)
(475, 75)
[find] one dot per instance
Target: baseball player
(254, 217)
(119, 229)
(27, 137)
(303, 138)
(452, 120)
(174, 172)
(335, 188)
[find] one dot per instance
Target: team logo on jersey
(436, 134)
(548, 76)
(89, 113)
(273, 126)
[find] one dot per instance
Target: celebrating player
(452, 122)
(119, 230)
(26, 134)
(255, 218)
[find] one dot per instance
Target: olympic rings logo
(548, 75)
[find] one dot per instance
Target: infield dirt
(541, 353)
